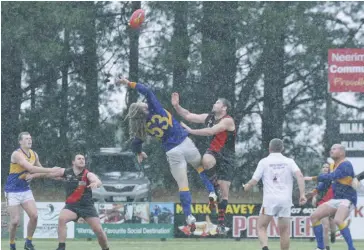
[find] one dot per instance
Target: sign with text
(350, 133)
(127, 231)
(346, 70)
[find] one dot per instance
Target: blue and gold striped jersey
(16, 179)
(341, 177)
(160, 123)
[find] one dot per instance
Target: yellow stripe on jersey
(346, 180)
(15, 168)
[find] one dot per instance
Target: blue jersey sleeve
(320, 186)
(153, 104)
(343, 170)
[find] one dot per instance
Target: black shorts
(82, 211)
(225, 165)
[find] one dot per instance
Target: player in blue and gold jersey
(344, 200)
(152, 119)
(17, 191)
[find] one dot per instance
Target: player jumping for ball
(152, 119)
(221, 152)
(277, 172)
(344, 201)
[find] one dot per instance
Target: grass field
(178, 244)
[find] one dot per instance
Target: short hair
(75, 154)
(276, 145)
(226, 103)
(20, 136)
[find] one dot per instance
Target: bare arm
(187, 115)
(300, 182)
(224, 124)
(16, 157)
(250, 184)
(37, 163)
(94, 180)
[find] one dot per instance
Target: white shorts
(276, 210)
(335, 203)
(186, 152)
(18, 198)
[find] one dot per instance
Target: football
(137, 18)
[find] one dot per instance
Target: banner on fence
(127, 231)
(132, 220)
(47, 227)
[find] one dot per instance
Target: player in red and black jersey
(321, 194)
(221, 151)
(79, 204)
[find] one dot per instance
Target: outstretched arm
(16, 157)
(153, 102)
(224, 124)
(94, 181)
(186, 114)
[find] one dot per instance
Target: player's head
(221, 106)
(276, 146)
(337, 152)
(137, 116)
(79, 161)
(25, 140)
(325, 168)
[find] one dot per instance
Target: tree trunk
(64, 126)
(219, 62)
(180, 43)
(90, 76)
(133, 57)
(274, 77)
(11, 92)
(328, 136)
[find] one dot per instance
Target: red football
(137, 18)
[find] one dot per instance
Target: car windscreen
(101, 164)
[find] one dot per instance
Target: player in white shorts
(277, 172)
(17, 190)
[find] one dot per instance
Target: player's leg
(178, 167)
(225, 173)
(224, 189)
(193, 157)
(65, 216)
(30, 208)
(284, 231)
(13, 205)
(332, 229)
(263, 221)
(96, 227)
(322, 211)
(209, 165)
(326, 226)
(341, 215)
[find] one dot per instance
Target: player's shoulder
(346, 163)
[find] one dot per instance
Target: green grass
(178, 244)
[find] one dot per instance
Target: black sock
(106, 249)
(265, 248)
(328, 248)
(62, 245)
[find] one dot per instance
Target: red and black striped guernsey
(77, 191)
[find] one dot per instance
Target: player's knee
(98, 231)
(62, 220)
(33, 216)
(14, 221)
(338, 221)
